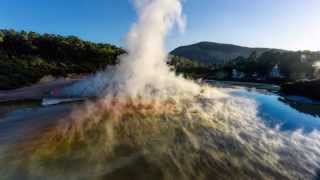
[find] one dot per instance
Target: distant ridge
(216, 53)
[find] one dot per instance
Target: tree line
(293, 66)
(25, 57)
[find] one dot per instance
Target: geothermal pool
(20, 122)
(277, 111)
(289, 113)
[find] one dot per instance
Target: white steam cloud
(144, 66)
(143, 70)
(316, 66)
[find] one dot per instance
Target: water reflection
(7, 107)
(307, 107)
(20, 119)
(289, 114)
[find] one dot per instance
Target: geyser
(143, 71)
(144, 67)
(150, 124)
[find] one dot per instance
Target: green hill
(215, 53)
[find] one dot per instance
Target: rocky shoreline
(310, 89)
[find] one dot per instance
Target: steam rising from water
(316, 66)
(144, 68)
(143, 71)
(162, 126)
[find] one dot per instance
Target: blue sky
(287, 24)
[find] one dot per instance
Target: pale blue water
(288, 113)
(21, 120)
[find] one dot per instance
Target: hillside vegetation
(219, 61)
(292, 65)
(215, 53)
(25, 57)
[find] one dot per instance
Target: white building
(237, 75)
(275, 72)
(303, 58)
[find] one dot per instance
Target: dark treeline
(292, 66)
(25, 57)
(190, 68)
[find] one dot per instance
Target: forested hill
(25, 57)
(216, 53)
(231, 62)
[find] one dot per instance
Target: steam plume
(144, 66)
(316, 66)
(143, 70)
